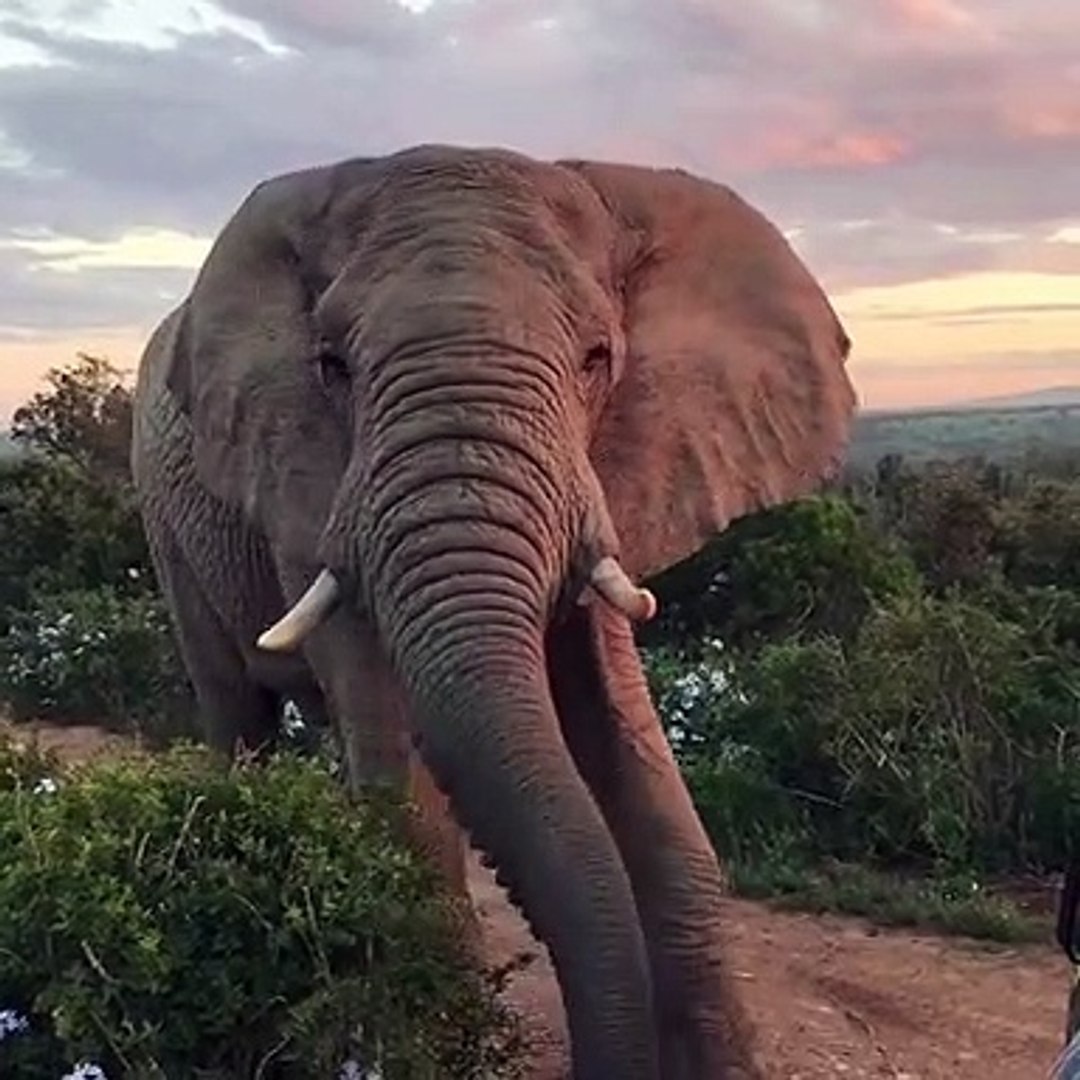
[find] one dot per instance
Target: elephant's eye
(598, 359)
(333, 369)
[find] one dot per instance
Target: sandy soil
(832, 998)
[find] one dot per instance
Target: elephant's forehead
(505, 189)
(437, 194)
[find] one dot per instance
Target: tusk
(309, 612)
(610, 580)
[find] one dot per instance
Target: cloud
(963, 294)
(932, 15)
(1066, 234)
(137, 249)
(948, 128)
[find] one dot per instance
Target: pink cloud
(1042, 121)
(931, 14)
(788, 147)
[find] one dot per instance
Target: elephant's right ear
(264, 434)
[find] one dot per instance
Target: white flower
(45, 786)
(85, 1071)
(353, 1070)
(292, 718)
(11, 1023)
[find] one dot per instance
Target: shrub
(948, 514)
(729, 766)
(64, 529)
(944, 736)
(952, 904)
(95, 656)
(1039, 535)
(813, 566)
(168, 917)
(83, 415)
(964, 728)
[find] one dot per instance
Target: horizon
(921, 156)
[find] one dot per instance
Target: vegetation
(885, 679)
(101, 656)
(873, 692)
(179, 919)
(84, 635)
(83, 416)
(175, 918)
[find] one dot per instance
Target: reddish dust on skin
(831, 998)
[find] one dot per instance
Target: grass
(949, 905)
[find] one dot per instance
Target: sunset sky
(923, 156)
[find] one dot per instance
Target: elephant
(410, 446)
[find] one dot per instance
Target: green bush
(1039, 535)
(741, 803)
(955, 904)
(63, 529)
(95, 656)
(963, 745)
(943, 737)
(167, 917)
(816, 566)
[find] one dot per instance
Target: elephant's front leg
(367, 705)
(236, 712)
(618, 743)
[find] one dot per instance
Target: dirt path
(832, 998)
(836, 999)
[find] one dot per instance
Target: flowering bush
(169, 917)
(94, 656)
(690, 689)
(701, 698)
(64, 528)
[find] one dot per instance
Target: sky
(922, 156)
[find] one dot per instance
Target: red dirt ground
(832, 998)
(836, 999)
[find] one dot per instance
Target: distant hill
(1047, 397)
(1043, 423)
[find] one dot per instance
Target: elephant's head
(470, 384)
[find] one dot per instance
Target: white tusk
(610, 580)
(310, 611)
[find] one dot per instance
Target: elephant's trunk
(472, 501)
(461, 574)
(489, 734)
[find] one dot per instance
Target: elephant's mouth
(607, 579)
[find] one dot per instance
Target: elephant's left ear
(735, 395)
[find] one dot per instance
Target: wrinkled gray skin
(458, 378)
